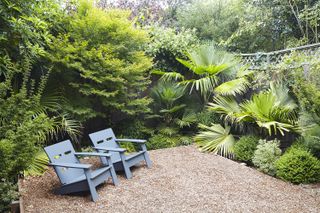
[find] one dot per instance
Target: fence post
(306, 70)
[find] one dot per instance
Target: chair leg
(113, 173)
(147, 158)
(146, 155)
(127, 171)
(126, 168)
(92, 188)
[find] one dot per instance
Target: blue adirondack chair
(75, 176)
(106, 141)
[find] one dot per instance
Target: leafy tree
(214, 20)
(167, 44)
(105, 71)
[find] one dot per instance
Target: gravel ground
(181, 180)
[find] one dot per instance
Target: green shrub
(266, 155)
(166, 44)
(185, 141)
(105, 70)
(298, 166)
(208, 117)
(161, 141)
(8, 192)
(245, 147)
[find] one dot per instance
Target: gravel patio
(182, 179)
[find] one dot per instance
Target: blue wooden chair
(75, 176)
(106, 141)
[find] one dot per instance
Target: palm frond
(205, 84)
(272, 110)
(38, 166)
(169, 131)
(215, 139)
(233, 87)
(187, 120)
(226, 106)
(168, 76)
(173, 109)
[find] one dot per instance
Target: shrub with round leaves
(245, 147)
(298, 165)
(266, 155)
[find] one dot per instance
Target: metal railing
(261, 60)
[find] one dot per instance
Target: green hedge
(245, 147)
(298, 166)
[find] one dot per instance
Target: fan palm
(273, 110)
(207, 63)
(215, 139)
(166, 96)
(233, 87)
(38, 166)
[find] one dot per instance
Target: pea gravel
(182, 179)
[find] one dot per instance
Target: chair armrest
(72, 165)
(110, 149)
(93, 154)
(131, 140)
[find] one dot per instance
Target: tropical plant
(38, 165)
(208, 65)
(245, 147)
(167, 100)
(233, 87)
(310, 131)
(297, 165)
(216, 139)
(265, 156)
(273, 110)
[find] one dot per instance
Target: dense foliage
(104, 68)
(245, 147)
(298, 166)
(266, 155)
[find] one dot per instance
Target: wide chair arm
(139, 141)
(72, 165)
(93, 154)
(110, 149)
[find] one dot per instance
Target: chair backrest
(105, 138)
(63, 152)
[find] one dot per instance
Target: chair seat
(129, 156)
(94, 174)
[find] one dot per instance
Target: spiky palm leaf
(216, 139)
(168, 76)
(187, 120)
(207, 62)
(233, 87)
(169, 131)
(166, 94)
(205, 84)
(227, 106)
(38, 166)
(273, 110)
